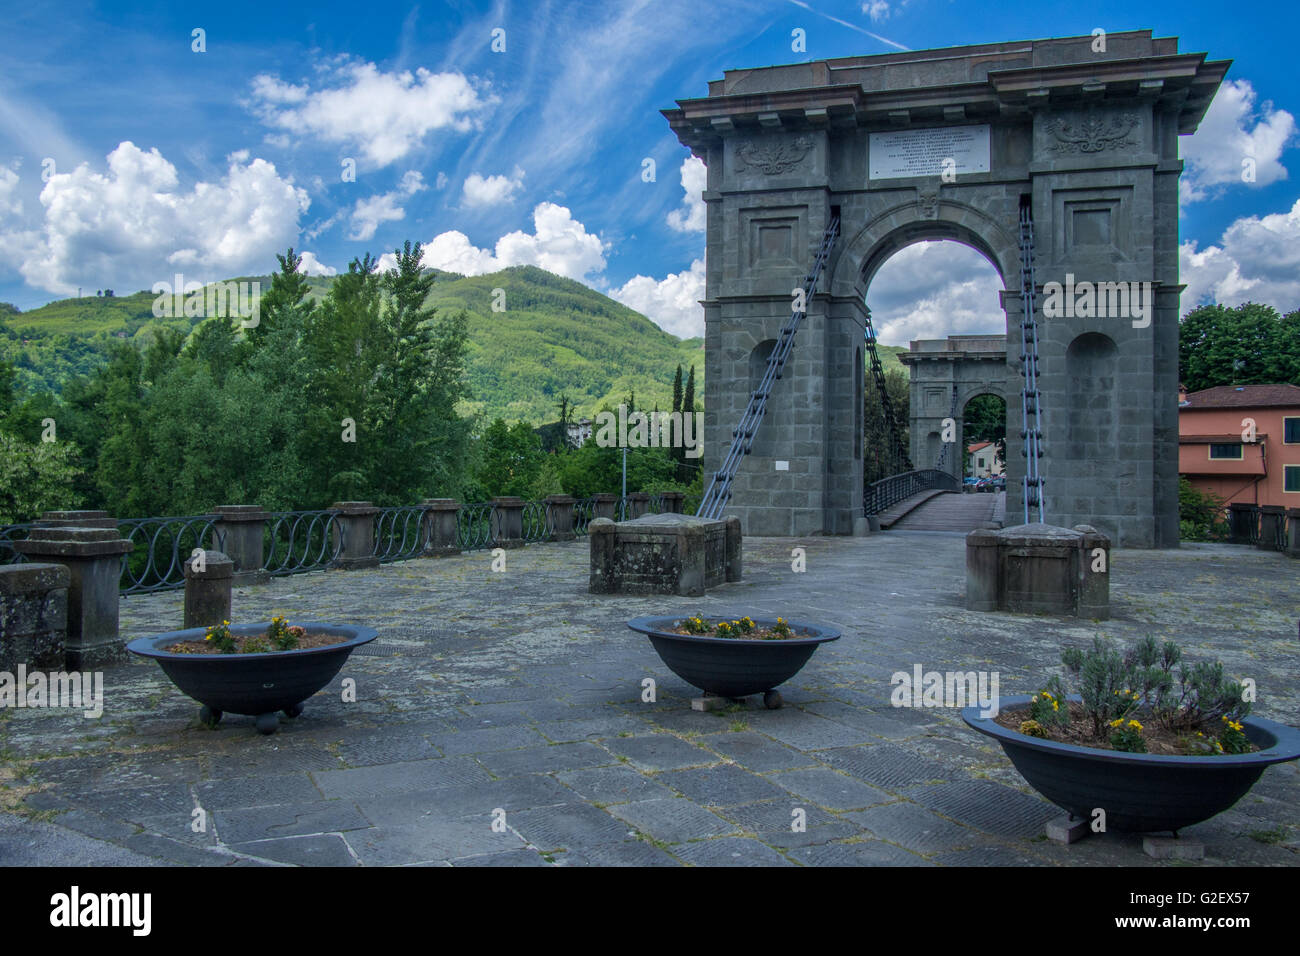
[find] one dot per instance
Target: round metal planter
(1141, 793)
(256, 685)
(733, 667)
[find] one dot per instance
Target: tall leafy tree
(1247, 345)
(419, 437)
(879, 460)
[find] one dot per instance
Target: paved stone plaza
(521, 692)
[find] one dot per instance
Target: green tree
(35, 478)
(1247, 345)
(879, 458)
(420, 440)
(511, 459)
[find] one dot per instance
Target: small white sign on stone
(921, 152)
(782, 466)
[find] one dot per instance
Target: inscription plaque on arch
(899, 154)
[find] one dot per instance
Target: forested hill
(555, 336)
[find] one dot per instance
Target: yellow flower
(1054, 706)
(1117, 721)
(1134, 725)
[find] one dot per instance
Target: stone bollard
(33, 616)
(603, 534)
(1271, 518)
(604, 505)
(1293, 532)
(87, 543)
(638, 504)
(982, 565)
(507, 522)
(559, 517)
(673, 502)
(241, 531)
(1094, 573)
(441, 530)
(355, 521)
(735, 560)
(207, 589)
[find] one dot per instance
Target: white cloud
(384, 115)
(441, 181)
(876, 9)
(492, 190)
(691, 217)
(559, 244)
(672, 303)
(930, 290)
(311, 266)
(1231, 132)
(10, 204)
(134, 225)
(383, 207)
(1257, 259)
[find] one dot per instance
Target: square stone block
(663, 554)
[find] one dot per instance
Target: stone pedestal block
(441, 533)
(1039, 569)
(663, 554)
(92, 553)
(241, 531)
(207, 589)
(604, 506)
(673, 501)
(1293, 532)
(1271, 525)
(507, 522)
(33, 616)
(354, 523)
(559, 517)
(638, 504)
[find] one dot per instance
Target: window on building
(1291, 431)
(1291, 478)
(1228, 450)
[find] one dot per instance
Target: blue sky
(169, 160)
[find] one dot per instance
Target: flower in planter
(781, 627)
(284, 637)
(1232, 739)
(1032, 728)
(1127, 736)
(1194, 711)
(695, 625)
(220, 637)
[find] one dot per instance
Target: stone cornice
(1181, 82)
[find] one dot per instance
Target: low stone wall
(663, 554)
(33, 616)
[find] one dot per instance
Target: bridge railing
(884, 494)
(296, 542)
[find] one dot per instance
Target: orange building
(1242, 443)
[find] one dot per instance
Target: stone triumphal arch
(950, 144)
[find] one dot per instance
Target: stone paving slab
(522, 693)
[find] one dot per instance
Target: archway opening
(927, 290)
(984, 437)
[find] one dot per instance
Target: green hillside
(555, 337)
